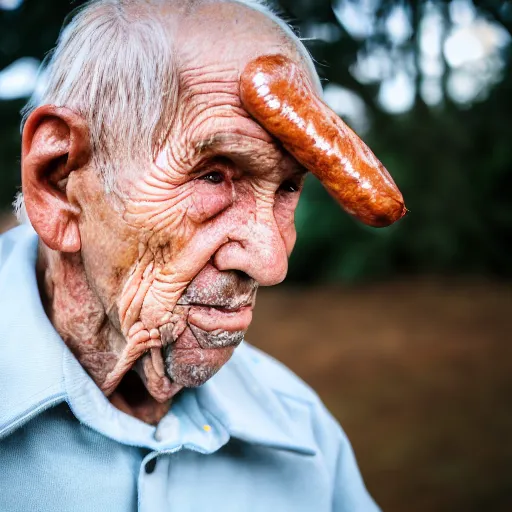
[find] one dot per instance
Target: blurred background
(404, 332)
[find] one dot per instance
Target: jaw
(146, 389)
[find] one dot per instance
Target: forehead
(230, 34)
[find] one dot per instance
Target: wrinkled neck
(79, 317)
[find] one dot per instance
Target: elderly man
(156, 206)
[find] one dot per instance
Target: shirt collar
(37, 370)
(253, 411)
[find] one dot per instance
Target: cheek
(109, 251)
(158, 213)
(209, 200)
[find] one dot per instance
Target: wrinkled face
(177, 258)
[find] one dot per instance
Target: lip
(218, 318)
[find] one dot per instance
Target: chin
(192, 367)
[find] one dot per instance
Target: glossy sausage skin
(275, 91)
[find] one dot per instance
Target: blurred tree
(427, 84)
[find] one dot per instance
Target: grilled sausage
(275, 91)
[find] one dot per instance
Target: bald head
(226, 28)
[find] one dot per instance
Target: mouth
(218, 327)
(212, 325)
(213, 318)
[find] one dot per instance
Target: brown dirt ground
(419, 375)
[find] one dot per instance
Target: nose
(255, 247)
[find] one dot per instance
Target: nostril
(243, 276)
(240, 275)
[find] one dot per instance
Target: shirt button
(150, 466)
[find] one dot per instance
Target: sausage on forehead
(277, 93)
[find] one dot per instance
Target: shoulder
(307, 412)
(30, 349)
(303, 408)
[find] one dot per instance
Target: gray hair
(114, 64)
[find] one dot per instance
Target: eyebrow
(229, 146)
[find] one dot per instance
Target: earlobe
(55, 143)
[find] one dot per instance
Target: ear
(55, 143)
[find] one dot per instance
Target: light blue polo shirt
(253, 438)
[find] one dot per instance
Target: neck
(80, 318)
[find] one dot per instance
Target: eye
(214, 177)
(289, 186)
